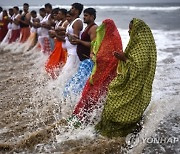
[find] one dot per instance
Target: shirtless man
(24, 21)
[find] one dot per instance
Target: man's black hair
(69, 12)
(16, 7)
(26, 4)
(64, 11)
(1, 9)
(90, 11)
(33, 12)
(78, 6)
(48, 5)
(42, 10)
(20, 11)
(55, 11)
(10, 9)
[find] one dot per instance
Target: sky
(68, 2)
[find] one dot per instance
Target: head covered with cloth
(130, 92)
(107, 41)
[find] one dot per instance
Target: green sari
(130, 92)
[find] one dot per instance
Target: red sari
(106, 65)
(3, 27)
(56, 59)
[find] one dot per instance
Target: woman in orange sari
(107, 41)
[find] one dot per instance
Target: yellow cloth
(130, 92)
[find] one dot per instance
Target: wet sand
(30, 110)
(22, 128)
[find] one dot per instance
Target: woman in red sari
(4, 25)
(107, 41)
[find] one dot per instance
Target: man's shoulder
(28, 15)
(93, 27)
(78, 20)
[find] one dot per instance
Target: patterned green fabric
(100, 32)
(130, 92)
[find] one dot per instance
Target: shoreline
(27, 105)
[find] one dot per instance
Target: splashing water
(32, 105)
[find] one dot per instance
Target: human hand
(43, 24)
(73, 39)
(52, 33)
(17, 19)
(60, 29)
(120, 55)
(92, 55)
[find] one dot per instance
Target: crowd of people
(92, 59)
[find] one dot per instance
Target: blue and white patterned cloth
(76, 84)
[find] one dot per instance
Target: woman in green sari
(129, 93)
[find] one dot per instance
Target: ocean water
(31, 104)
